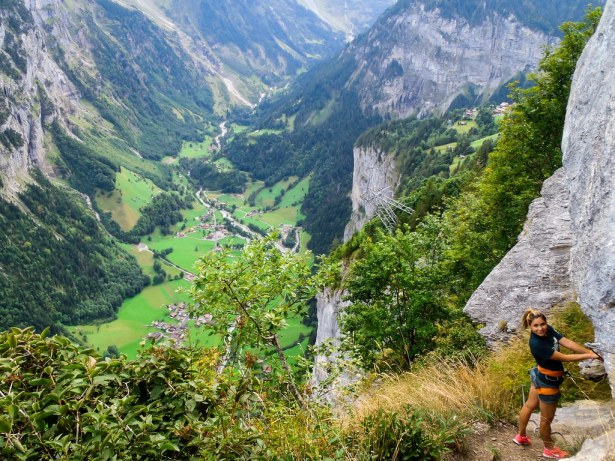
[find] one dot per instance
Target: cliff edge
(567, 248)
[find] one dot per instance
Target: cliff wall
(329, 304)
(589, 162)
(374, 174)
(34, 88)
(432, 59)
(567, 248)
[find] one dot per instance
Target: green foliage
(395, 294)
(11, 139)
(63, 402)
(252, 296)
(86, 170)
(163, 211)
(203, 173)
(412, 436)
(58, 264)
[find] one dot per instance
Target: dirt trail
(496, 444)
(573, 423)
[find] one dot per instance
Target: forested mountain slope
(87, 88)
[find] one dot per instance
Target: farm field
(133, 319)
(196, 149)
(132, 192)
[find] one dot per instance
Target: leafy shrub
(410, 435)
(60, 401)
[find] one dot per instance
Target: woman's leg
(526, 412)
(547, 413)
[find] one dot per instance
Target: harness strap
(553, 374)
(548, 390)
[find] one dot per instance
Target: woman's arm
(573, 357)
(570, 344)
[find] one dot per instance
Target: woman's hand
(596, 356)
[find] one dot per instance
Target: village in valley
(176, 327)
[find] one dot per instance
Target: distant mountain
(421, 57)
(248, 45)
(422, 54)
(350, 16)
(546, 15)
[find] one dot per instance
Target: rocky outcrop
(374, 178)
(535, 272)
(567, 248)
(329, 304)
(589, 162)
(425, 60)
(598, 449)
(36, 91)
(584, 419)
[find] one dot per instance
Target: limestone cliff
(374, 173)
(535, 272)
(567, 249)
(426, 59)
(34, 90)
(589, 163)
(328, 305)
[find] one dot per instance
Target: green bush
(60, 401)
(405, 437)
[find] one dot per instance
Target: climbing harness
(550, 374)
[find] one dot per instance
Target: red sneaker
(554, 453)
(522, 440)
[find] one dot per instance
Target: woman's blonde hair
(530, 315)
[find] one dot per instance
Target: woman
(546, 378)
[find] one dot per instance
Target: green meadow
(132, 192)
(196, 149)
(467, 126)
(476, 144)
(266, 196)
(134, 319)
(186, 250)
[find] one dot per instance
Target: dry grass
(446, 388)
(486, 390)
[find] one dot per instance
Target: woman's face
(539, 326)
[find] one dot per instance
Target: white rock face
(434, 59)
(589, 162)
(374, 173)
(598, 449)
(329, 305)
(567, 248)
(535, 272)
